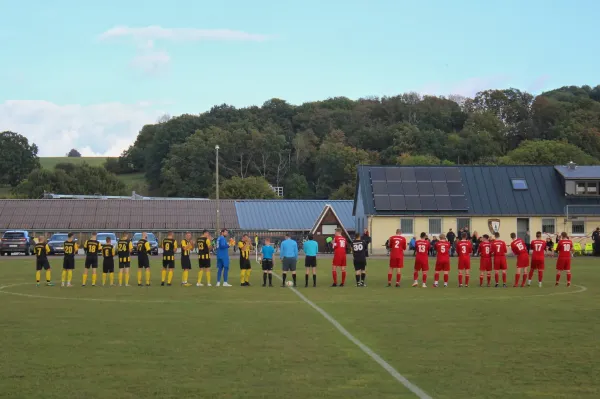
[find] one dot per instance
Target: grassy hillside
(50, 162)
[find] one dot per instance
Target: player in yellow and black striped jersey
(187, 246)
(70, 248)
(169, 247)
(41, 251)
(92, 248)
(143, 249)
(108, 262)
(245, 246)
(124, 250)
(204, 245)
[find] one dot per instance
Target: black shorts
(204, 263)
(360, 265)
(68, 263)
(108, 267)
(143, 262)
(91, 262)
(42, 264)
(124, 265)
(185, 263)
(169, 264)
(310, 261)
(245, 264)
(267, 264)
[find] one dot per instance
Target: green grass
(173, 342)
(51, 162)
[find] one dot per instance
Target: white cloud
(151, 61)
(467, 87)
(95, 130)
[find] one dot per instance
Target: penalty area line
(378, 359)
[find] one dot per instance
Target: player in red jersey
(563, 263)
(397, 245)
(340, 247)
(464, 249)
(519, 248)
(421, 260)
(499, 251)
(442, 263)
(538, 247)
(485, 260)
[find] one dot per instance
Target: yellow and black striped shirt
(169, 246)
(108, 251)
(42, 251)
(203, 245)
(185, 251)
(124, 249)
(92, 247)
(245, 249)
(71, 249)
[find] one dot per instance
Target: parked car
(151, 239)
(101, 237)
(56, 243)
(14, 241)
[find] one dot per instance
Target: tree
(17, 158)
(74, 153)
(407, 159)
(295, 186)
(546, 152)
(250, 188)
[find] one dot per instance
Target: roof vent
(572, 165)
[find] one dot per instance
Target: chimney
(572, 165)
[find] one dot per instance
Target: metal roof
(289, 215)
(489, 192)
(579, 172)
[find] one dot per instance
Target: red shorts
(442, 266)
(396, 263)
(464, 263)
(485, 264)
(421, 265)
(500, 263)
(339, 260)
(523, 260)
(537, 264)
(563, 264)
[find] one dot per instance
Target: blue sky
(91, 73)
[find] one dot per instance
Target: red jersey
(518, 247)
(537, 249)
(443, 251)
(485, 250)
(397, 247)
(564, 248)
(464, 249)
(339, 245)
(499, 249)
(422, 249)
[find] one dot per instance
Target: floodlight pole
(218, 201)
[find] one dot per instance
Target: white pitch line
(387, 367)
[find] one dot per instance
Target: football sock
(398, 278)
(557, 277)
(489, 279)
(226, 274)
(265, 279)
(63, 277)
(343, 277)
(242, 276)
(170, 276)
(139, 276)
(467, 277)
(524, 280)
(445, 279)
(415, 276)
(38, 275)
(314, 279)
(540, 275)
(147, 276)
(389, 278)
(504, 277)
(306, 279)
(127, 278)
(270, 278)
(250, 271)
(111, 278)
(94, 276)
(200, 273)
(460, 279)
(283, 277)
(334, 273)
(496, 277)
(357, 279)
(424, 278)
(208, 276)
(103, 278)
(480, 280)
(84, 278)
(69, 276)
(120, 278)
(568, 277)
(530, 274)
(48, 275)
(363, 276)
(219, 272)
(185, 275)
(163, 275)
(294, 278)
(517, 278)
(436, 277)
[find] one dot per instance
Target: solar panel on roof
(377, 174)
(459, 203)
(443, 202)
(393, 174)
(382, 202)
(425, 188)
(440, 188)
(413, 203)
(395, 188)
(437, 174)
(397, 203)
(410, 189)
(422, 174)
(428, 203)
(407, 174)
(379, 187)
(455, 188)
(453, 174)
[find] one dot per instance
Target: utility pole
(218, 201)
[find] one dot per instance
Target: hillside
(51, 162)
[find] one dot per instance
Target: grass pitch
(254, 342)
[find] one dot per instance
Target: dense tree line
(312, 149)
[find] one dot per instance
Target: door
(522, 227)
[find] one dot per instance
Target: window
(519, 184)
(462, 223)
(406, 225)
(580, 188)
(548, 226)
(328, 229)
(435, 226)
(586, 188)
(577, 227)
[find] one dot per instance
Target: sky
(89, 74)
